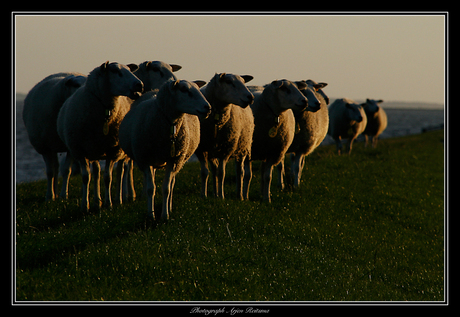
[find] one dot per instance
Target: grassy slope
(368, 226)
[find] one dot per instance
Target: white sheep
(274, 128)
(227, 132)
(376, 120)
(311, 129)
(347, 120)
(41, 108)
(164, 131)
(153, 75)
(89, 120)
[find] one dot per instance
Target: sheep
(153, 74)
(274, 128)
(41, 108)
(164, 131)
(376, 120)
(227, 133)
(89, 120)
(311, 129)
(347, 119)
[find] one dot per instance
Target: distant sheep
(376, 120)
(311, 129)
(274, 128)
(227, 133)
(347, 120)
(41, 108)
(164, 131)
(153, 75)
(89, 120)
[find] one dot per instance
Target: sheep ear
(379, 101)
(247, 78)
(199, 83)
(348, 105)
(319, 86)
(175, 67)
(221, 76)
(104, 65)
(133, 67)
(277, 83)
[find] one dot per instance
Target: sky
(395, 58)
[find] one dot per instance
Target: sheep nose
(250, 99)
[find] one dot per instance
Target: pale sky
(395, 58)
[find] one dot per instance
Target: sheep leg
(214, 166)
(296, 169)
(367, 140)
(167, 192)
(239, 165)
(338, 142)
(66, 170)
(374, 141)
(203, 158)
(97, 183)
(247, 177)
(266, 180)
(173, 182)
(85, 179)
(128, 181)
(221, 178)
(52, 169)
(350, 144)
(108, 182)
(149, 182)
(281, 174)
(119, 180)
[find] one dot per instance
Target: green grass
(369, 226)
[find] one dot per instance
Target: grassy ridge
(368, 226)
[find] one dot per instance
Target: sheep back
(230, 135)
(264, 147)
(376, 122)
(146, 137)
(81, 123)
(312, 127)
(41, 109)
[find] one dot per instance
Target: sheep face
(288, 96)
(352, 112)
(155, 74)
(232, 89)
(188, 99)
(310, 92)
(319, 89)
(121, 80)
(371, 106)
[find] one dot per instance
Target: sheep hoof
(151, 216)
(164, 217)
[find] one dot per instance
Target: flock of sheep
(143, 113)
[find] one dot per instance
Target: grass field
(369, 226)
